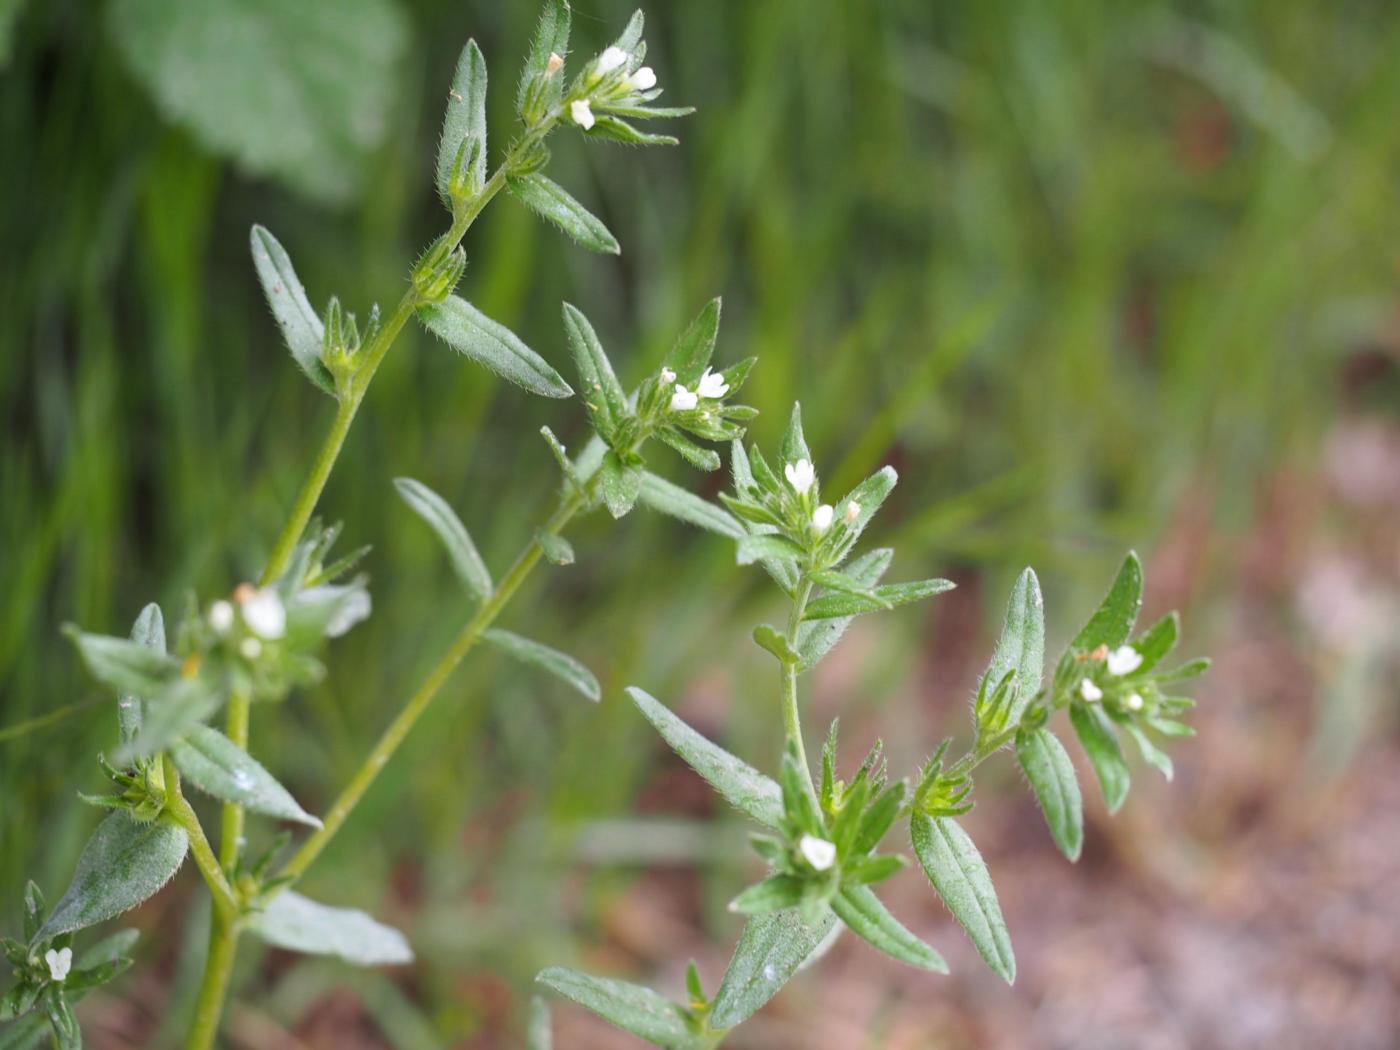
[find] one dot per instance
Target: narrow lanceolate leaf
(794, 445)
(868, 918)
(1156, 642)
(443, 520)
(621, 484)
(301, 325)
(763, 547)
(464, 124)
(1151, 753)
(219, 767)
(125, 666)
(1100, 743)
(551, 38)
(1022, 645)
(1113, 621)
(869, 496)
(884, 597)
(627, 1006)
(697, 456)
(180, 707)
(957, 872)
(123, 863)
(561, 665)
(742, 786)
(605, 127)
(149, 630)
(300, 924)
(1051, 774)
(550, 201)
(683, 505)
(690, 354)
(471, 333)
(602, 394)
(770, 951)
(815, 638)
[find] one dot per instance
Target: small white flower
(800, 476)
(611, 58)
(818, 852)
(821, 518)
(221, 616)
(1089, 691)
(265, 614)
(643, 80)
(1134, 701)
(712, 384)
(555, 63)
(852, 512)
(667, 377)
(683, 400)
(582, 112)
(251, 648)
(1124, 660)
(60, 962)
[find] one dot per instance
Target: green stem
(179, 810)
(218, 969)
(792, 717)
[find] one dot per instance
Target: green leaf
(697, 456)
(774, 641)
(794, 445)
(1100, 743)
(551, 37)
(1187, 671)
(603, 395)
(1156, 642)
(554, 547)
(300, 924)
(690, 354)
(127, 667)
(764, 547)
(551, 202)
(1051, 774)
(148, 630)
(957, 872)
(1154, 756)
(219, 767)
(443, 520)
(772, 894)
(561, 665)
(471, 333)
(815, 638)
(839, 581)
(301, 325)
(305, 91)
(869, 496)
(868, 918)
(24, 1034)
(1113, 621)
(742, 786)
(612, 129)
(683, 505)
(884, 597)
(621, 484)
(1022, 645)
(627, 1006)
(183, 705)
(538, 1034)
(123, 863)
(464, 124)
(770, 951)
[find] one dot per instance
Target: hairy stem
(792, 718)
(179, 810)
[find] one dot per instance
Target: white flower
(1089, 691)
(1134, 701)
(554, 64)
(1124, 660)
(60, 962)
(818, 852)
(221, 616)
(251, 648)
(821, 518)
(667, 377)
(612, 58)
(582, 112)
(712, 384)
(643, 80)
(852, 512)
(800, 476)
(265, 615)
(683, 400)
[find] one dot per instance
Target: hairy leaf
(550, 201)
(300, 924)
(1100, 743)
(602, 394)
(1051, 774)
(621, 484)
(627, 1006)
(1022, 644)
(867, 916)
(561, 665)
(123, 665)
(886, 596)
(691, 352)
(471, 333)
(1113, 621)
(443, 520)
(464, 123)
(958, 873)
(815, 638)
(219, 767)
(771, 950)
(683, 505)
(148, 630)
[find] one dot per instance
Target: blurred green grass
(1062, 265)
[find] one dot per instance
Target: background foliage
(1090, 276)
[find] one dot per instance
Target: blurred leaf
(302, 92)
(602, 394)
(24, 1034)
(763, 547)
(1022, 644)
(815, 638)
(868, 918)
(742, 786)
(539, 1035)
(471, 333)
(1156, 642)
(123, 863)
(960, 876)
(299, 924)
(1113, 621)
(554, 547)
(774, 641)
(464, 123)
(180, 707)
(683, 505)
(302, 328)
(1151, 753)
(551, 38)
(128, 667)
(627, 1006)
(1100, 743)
(621, 484)
(772, 894)
(561, 665)
(148, 630)
(219, 767)
(443, 520)
(886, 596)
(552, 202)
(770, 951)
(1051, 774)
(794, 445)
